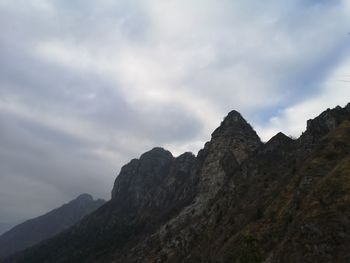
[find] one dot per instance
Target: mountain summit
(238, 200)
(233, 124)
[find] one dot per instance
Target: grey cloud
(35, 160)
(68, 125)
(42, 167)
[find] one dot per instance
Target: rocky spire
(231, 144)
(236, 134)
(232, 125)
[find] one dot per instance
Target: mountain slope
(147, 192)
(40, 228)
(238, 201)
(286, 203)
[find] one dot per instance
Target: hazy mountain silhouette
(37, 229)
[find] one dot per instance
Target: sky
(85, 85)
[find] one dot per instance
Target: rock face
(325, 122)
(238, 201)
(156, 181)
(37, 229)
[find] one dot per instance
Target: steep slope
(37, 229)
(238, 201)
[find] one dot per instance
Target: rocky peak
(236, 135)
(183, 161)
(155, 181)
(325, 122)
(83, 198)
(86, 200)
(279, 137)
(185, 156)
(233, 124)
(156, 153)
(139, 175)
(231, 144)
(347, 107)
(277, 141)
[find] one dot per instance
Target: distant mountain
(5, 227)
(238, 200)
(40, 228)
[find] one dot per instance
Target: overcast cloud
(87, 85)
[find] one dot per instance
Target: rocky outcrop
(155, 181)
(324, 123)
(138, 177)
(43, 227)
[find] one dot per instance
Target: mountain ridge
(238, 200)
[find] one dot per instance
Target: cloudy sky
(87, 85)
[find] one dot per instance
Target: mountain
(43, 227)
(5, 227)
(239, 200)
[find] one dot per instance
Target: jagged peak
(279, 137)
(327, 121)
(151, 164)
(278, 140)
(233, 117)
(157, 152)
(347, 107)
(233, 124)
(185, 155)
